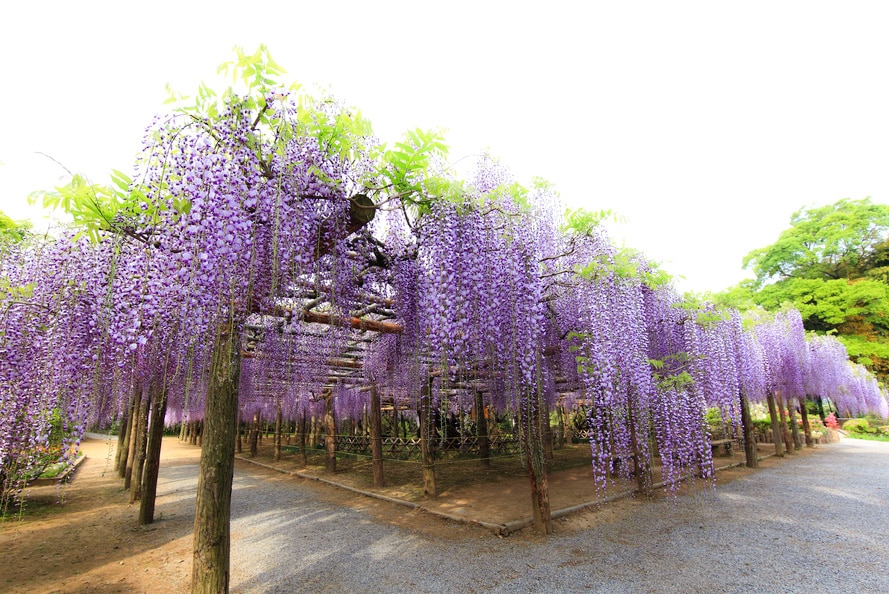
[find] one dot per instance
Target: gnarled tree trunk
(210, 568)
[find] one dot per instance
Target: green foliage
(625, 264)
(858, 426)
(670, 372)
(830, 242)
(832, 265)
(860, 347)
(96, 208)
(581, 221)
(406, 170)
(870, 436)
(13, 231)
(826, 304)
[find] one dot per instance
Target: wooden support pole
(777, 435)
(125, 457)
(794, 428)
(807, 428)
(134, 425)
(785, 431)
(427, 446)
(141, 431)
(750, 454)
(121, 438)
(304, 455)
(546, 431)
(253, 439)
(376, 436)
(277, 429)
(153, 453)
(239, 446)
(329, 433)
(481, 429)
(640, 458)
(535, 461)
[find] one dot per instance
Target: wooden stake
(427, 447)
(329, 433)
(153, 453)
(807, 429)
(777, 436)
(750, 453)
(376, 437)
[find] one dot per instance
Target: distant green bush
(858, 426)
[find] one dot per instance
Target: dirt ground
(82, 536)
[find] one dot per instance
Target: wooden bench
(725, 444)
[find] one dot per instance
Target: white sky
(705, 124)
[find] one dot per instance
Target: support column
(807, 428)
(304, 455)
(153, 453)
(481, 429)
(777, 435)
(123, 428)
(794, 428)
(278, 430)
(376, 436)
(785, 432)
(750, 453)
(141, 431)
(329, 433)
(126, 449)
(427, 447)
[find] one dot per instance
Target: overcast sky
(704, 124)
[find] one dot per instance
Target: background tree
(832, 264)
(842, 240)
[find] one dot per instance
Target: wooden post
(546, 431)
(427, 447)
(153, 453)
(126, 450)
(239, 446)
(278, 430)
(535, 461)
(140, 435)
(121, 438)
(794, 428)
(253, 438)
(642, 466)
(481, 429)
(376, 436)
(807, 429)
(750, 453)
(211, 556)
(329, 433)
(785, 432)
(777, 435)
(302, 439)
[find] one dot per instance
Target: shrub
(857, 426)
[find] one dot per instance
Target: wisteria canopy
(344, 264)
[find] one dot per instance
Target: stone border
(504, 529)
(65, 476)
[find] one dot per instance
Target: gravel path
(817, 523)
